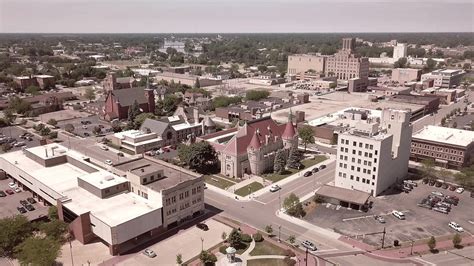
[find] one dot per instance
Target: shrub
(289, 253)
(246, 238)
(258, 237)
(222, 249)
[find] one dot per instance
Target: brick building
(117, 102)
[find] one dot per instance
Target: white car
(456, 227)
(398, 214)
(17, 190)
(84, 126)
(459, 190)
(105, 148)
(109, 162)
(149, 253)
(275, 188)
(437, 193)
(12, 185)
(309, 245)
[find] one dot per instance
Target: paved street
(453, 257)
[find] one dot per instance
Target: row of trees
(465, 177)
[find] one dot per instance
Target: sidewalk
(244, 182)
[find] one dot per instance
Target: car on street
(17, 190)
(441, 210)
(120, 154)
(431, 182)
(460, 190)
(398, 214)
(202, 226)
(411, 183)
(149, 253)
(437, 193)
(30, 207)
(309, 245)
(21, 209)
(19, 144)
(108, 162)
(9, 192)
(2, 194)
(31, 200)
(275, 188)
(456, 227)
(315, 170)
(105, 148)
(322, 166)
(438, 184)
(380, 219)
(12, 185)
(308, 173)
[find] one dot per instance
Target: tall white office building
(374, 154)
(400, 50)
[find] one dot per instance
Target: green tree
(224, 101)
(133, 111)
(97, 130)
(14, 230)
(199, 156)
(293, 206)
(179, 259)
(53, 135)
(45, 131)
(279, 162)
(401, 63)
(69, 128)
(466, 66)
(19, 105)
(457, 240)
(139, 119)
(38, 251)
(53, 213)
(56, 229)
(52, 122)
(197, 84)
(256, 95)
(291, 239)
(89, 94)
(34, 90)
(427, 168)
(432, 243)
(207, 258)
(306, 135)
(235, 238)
(294, 158)
(170, 103)
(269, 229)
(455, 124)
(430, 64)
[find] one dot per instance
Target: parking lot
(9, 203)
(85, 130)
(15, 132)
(420, 223)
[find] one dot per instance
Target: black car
(86, 134)
(2, 194)
(322, 166)
(308, 173)
(21, 209)
(202, 226)
(23, 202)
(315, 170)
(120, 154)
(30, 207)
(31, 200)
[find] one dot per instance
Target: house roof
(126, 97)
(289, 132)
(125, 80)
(154, 125)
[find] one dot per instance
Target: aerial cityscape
(236, 133)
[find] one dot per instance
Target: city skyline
(210, 16)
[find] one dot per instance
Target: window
(340, 174)
(345, 158)
(363, 180)
(360, 153)
(144, 180)
(352, 177)
(358, 169)
(354, 143)
(375, 169)
(152, 177)
(346, 149)
(341, 157)
(342, 149)
(340, 164)
(373, 184)
(353, 151)
(357, 178)
(359, 161)
(360, 144)
(352, 167)
(366, 146)
(353, 160)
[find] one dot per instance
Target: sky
(235, 16)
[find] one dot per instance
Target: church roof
(289, 132)
(255, 142)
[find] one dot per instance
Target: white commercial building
(137, 141)
(445, 78)
(399, 51)
(374, 154)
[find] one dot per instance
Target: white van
(398, 214)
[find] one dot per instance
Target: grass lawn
(218, 182)
(307, 163)
(266, 262)
(266, 248)
(242, 247)
(244, 191)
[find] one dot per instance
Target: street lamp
(411, 249)
(279, 199)
(279, 231)
(202, 244)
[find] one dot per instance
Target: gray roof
(125, 80)
(126, 97)
(154, 125)
(343, 194)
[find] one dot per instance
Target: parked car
(274, 188)
(438, 184)
(445, 186)
(315, 170)
(108, 162)
(12, 185)
(119, 154)
(308, 173)
(105, 148)
(17, 190)
(23, 202)
(31, 200)
(30, 207)
(322, 166)
(9, 192)
(149, 253)
(2, 194)
(309, 245)
(452, 188)
(459, 190)
(437, 193)
(441, 210)
(21, 209)
(84, 127)
(202, 226)
(86, 134)
(19, 144)
(398, 214)
(456, 227)
(380, 219)
(425, 181)
(431, 182)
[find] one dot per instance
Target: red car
(9, 192)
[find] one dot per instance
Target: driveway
(186, 242)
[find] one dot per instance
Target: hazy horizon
(227, 16)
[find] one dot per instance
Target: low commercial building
(188, 79)
(403, 75)
(299, 64)
(448, 147)
(137, 141)
(44, 82)
(374, 154)
(389, 91)
(102, 206)
(446, 96)
(430, 103)
(266, 80)
(445, 78)
(348, 198)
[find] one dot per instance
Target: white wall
(137, 226)
(101, 229)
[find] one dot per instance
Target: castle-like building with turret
(251, 148)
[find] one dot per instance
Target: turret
(150, 96)
(254, 153)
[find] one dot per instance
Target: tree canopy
(199, 156)
(14, 230)
(256, 95)
(293, 206)
(279, 162)
(38, 251)
(306, 134)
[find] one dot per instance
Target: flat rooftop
(133, 134)
(173, 175)
(445, 135)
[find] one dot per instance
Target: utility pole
(279, 233)
(411, 249)
(383, 238)
(202, 244)
(70, 249)
(279, 199)
(306, 257)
